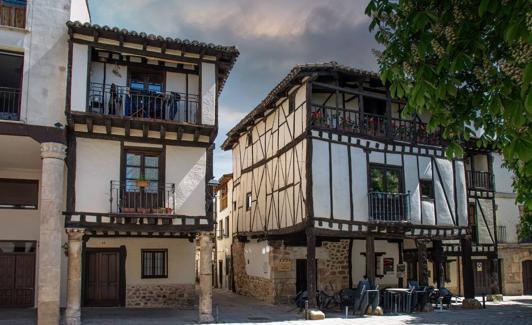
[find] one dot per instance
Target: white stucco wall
(176, 82)
(80, 57)
(508, 216)
(503, 176)
(45, 63)
(208, 93)
(390, 250)
(97, 163)
(181, 254)
(257, 256)
(79, 11)
(414, 167)
(186, 167)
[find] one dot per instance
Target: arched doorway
(527, 277)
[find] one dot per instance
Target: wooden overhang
(163, 127)
(132, 224)
(189, 50)
(295, 76)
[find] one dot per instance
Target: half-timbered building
(142, 116)
(333, 184)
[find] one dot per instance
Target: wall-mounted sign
(284, 265)
(479, 266)
(401, 270)
(387, 264)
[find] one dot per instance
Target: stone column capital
(53, 150)
(75, 233)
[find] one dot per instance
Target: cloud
(272, 37)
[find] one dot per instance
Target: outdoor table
(397, 300)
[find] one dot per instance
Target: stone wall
(181, 296)
(333, 271)
(246, 285)
(512, 256)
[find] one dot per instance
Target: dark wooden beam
(467, 268)
(312, 271)
(439, 260)
(145, 130)
(127, 128)
(108, 127)
(163, 132)
(89, 125)
(179, 133)
(371, 268)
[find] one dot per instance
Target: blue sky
(272, 37)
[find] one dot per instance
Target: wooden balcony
(479, 181)
(378, 127)
(9, 103)
(138, 211)
(122, 101)
(389, 207)
(13, 13)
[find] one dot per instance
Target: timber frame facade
(327, 157)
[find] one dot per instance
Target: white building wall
(358, 260)
(97, 163)
(181, 254)
(208, 93)
(80, 57)
(257, 256)
(415, 168)
(45, 63)
(186, 167)
(80, 11)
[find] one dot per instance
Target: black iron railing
(137, 198)
(479, 180)
(123, 101)
(13, 13)
(374, 125)
(9, 103)
(389, 207)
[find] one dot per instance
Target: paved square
(235, 309)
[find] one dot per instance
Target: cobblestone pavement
(234, 309)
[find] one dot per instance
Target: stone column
(205, 285)
(467, 269)
(439, 263)
(73, 312)
(53, 168)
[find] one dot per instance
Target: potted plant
(142, 182)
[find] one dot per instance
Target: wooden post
(467, 268)
(311, 266)
(439, 260)
(370, 258)
(494, 276)
(423, 264)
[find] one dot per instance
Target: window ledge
(15, 29)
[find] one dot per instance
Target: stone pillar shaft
(53, 168)
(73, 310)
(205, 285)
(423, 263)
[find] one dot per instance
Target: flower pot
(142, 183)
(128, 210)
(169, 210)
(143, 210)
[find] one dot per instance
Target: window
(19, 193)
(248, 201)
(234, 205)
(427, 189)
(226, 228)
(154, 263)
(13, 13)
(223, 197)
(220, 229)
(250, 139)
(374, 106)
(292, 102)
(10, 84)
(385, 179)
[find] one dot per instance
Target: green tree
(468, 63)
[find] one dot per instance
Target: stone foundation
(512, 256)
(181, 296)
(246, 285)
(333, 271)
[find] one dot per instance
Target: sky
(272, 36)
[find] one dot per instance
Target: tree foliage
(468, 63)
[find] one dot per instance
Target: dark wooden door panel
(481, 272)
(527, 277)
(102, 280)
(17, 279)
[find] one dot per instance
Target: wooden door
(102, 278)
(527, 277)
(17, 279)
(301, 275)
(481, 273)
